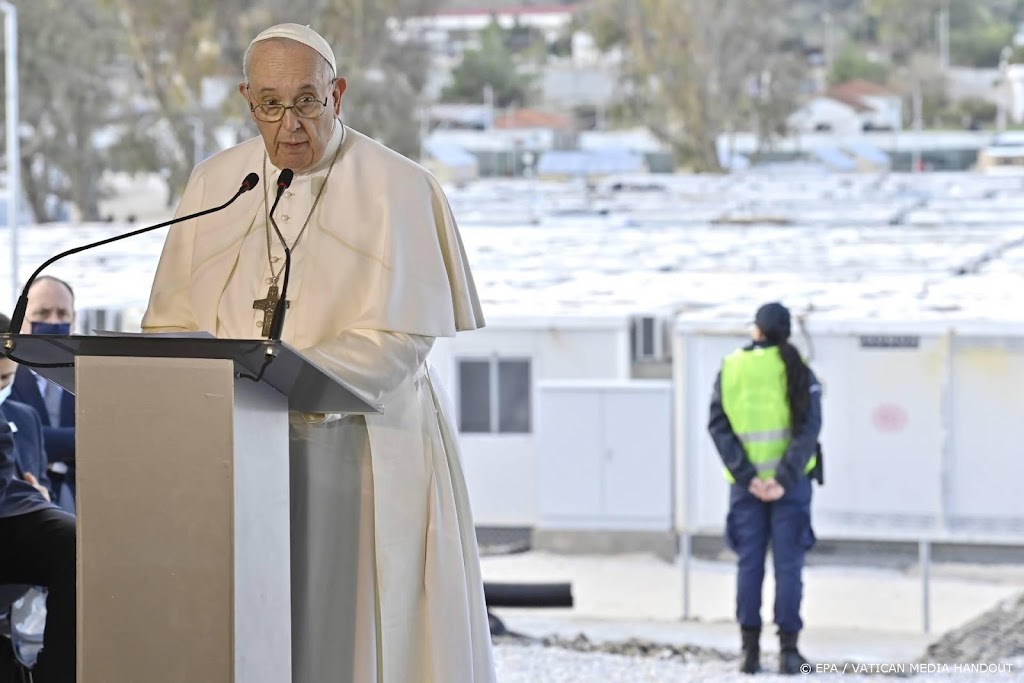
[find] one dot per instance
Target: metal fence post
(925, 556)
(686, 551)
(10, 13)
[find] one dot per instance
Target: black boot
(791, 662)
(750, 654)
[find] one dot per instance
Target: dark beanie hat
(773, 321)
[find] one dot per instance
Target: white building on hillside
(850, 107)
(825, 115)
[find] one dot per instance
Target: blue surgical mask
(51, 328)
(5, 392)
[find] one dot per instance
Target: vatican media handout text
(910, 668)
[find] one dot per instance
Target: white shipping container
(501, 467)
(920, 429)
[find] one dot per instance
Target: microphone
(18, 316)
(277, 322)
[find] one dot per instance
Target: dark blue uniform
(784, 524)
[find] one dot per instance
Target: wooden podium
(183, 500)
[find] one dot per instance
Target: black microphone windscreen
(250, 182)
(285, 179)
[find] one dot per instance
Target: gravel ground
(988, 648)
(537, 663)
(997, 633)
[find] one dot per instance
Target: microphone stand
(277, 321)
(18, 316)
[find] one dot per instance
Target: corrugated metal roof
(450, 154)
(898, 247)
(582, 163)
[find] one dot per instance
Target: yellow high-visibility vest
(753, 385)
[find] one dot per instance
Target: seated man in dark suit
(51, 310)
(37, 538)
(27, 431)
(29, 443)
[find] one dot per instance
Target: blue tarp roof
(449, 154)
(867, 152)
(834, 158)
(589, 162)
(735, 162)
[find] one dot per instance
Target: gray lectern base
(183, 517)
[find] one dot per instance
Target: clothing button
(289, 194)
(284, 217)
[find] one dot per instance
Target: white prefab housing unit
(493, 375)
(605, 456)
(920, 428)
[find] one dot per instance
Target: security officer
(765, 420)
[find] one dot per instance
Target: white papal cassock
(386, 581)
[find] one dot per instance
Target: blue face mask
(5, 392)
(51, 328)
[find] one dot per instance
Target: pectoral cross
(267, 306)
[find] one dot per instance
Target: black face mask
(63, 329)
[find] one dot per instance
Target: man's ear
(340, 85)
(243, 90)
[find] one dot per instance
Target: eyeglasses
(308, 107)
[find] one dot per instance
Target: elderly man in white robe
(385, 566)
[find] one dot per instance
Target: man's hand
(30, 478)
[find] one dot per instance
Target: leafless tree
(693, 69)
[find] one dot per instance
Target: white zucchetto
(300, 34)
